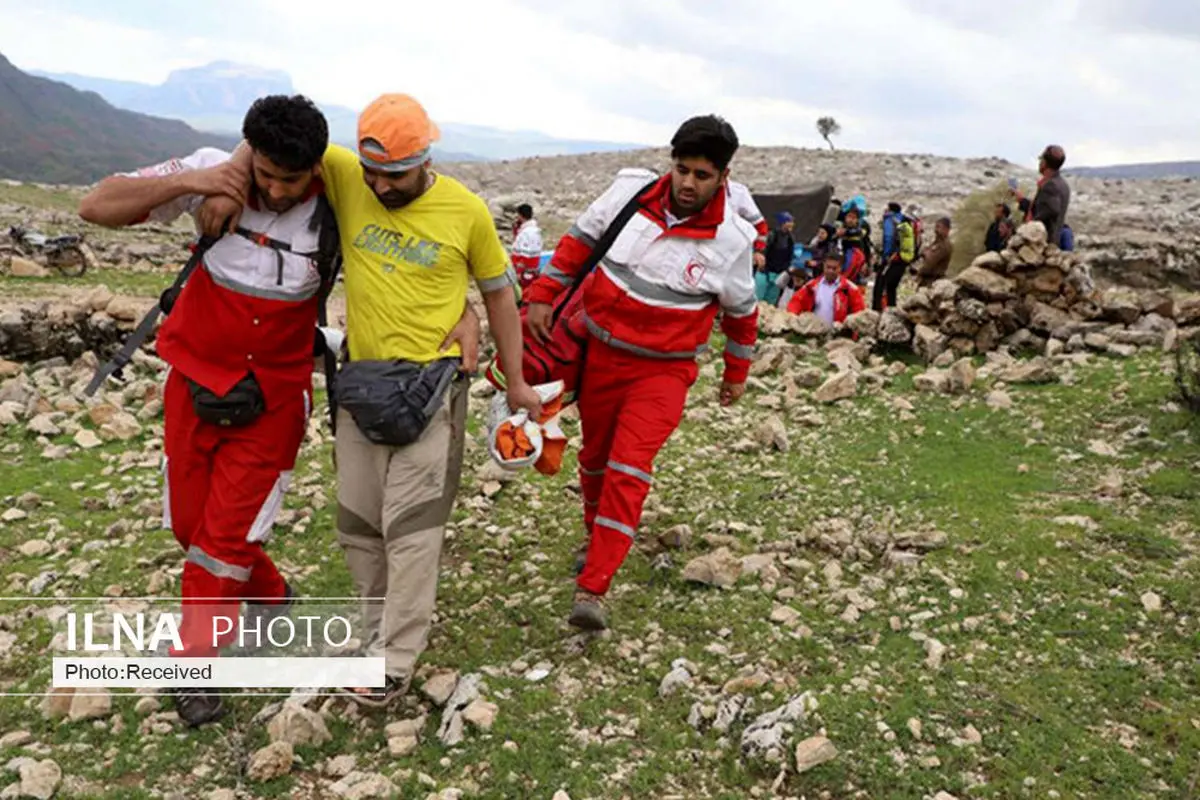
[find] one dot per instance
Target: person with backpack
(240, 339)
(903, 253)
(832, 297)
(854, 238)
(678, 253)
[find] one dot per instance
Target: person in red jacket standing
(649, 309)
(832, 297)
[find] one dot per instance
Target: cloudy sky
(1112, 80)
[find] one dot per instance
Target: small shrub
(971, 221)
(1187, 374)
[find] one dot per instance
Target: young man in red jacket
(832, 297)
(649, 309)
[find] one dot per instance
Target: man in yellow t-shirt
(411, 239)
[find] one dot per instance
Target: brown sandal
(379, 696)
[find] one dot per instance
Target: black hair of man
(1023, 205)
(1004, 209)
(708, 137)
(290, 131)
(945, 221)
(1054, 156)
(894, 208)
(525, 211)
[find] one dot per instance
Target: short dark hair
(291, 131)
(1054, 156)
(1023, 204)
(525, 211)
(944, 221)
(894, 208)
(1004, 209)
(708, 137)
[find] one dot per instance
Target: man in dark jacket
(1053, 195)
(995, 240)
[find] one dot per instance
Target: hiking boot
(198, 707)
(588, 613)
(261, 615)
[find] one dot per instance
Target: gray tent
(809, 205)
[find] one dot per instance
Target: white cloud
(904, 75)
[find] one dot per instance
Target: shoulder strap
(602, 246)
(329, 264)
(115, 365)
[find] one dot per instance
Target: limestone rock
(809, 324)
(764, 738)
(363, 786)
(1121, 305)
(813, 752)
(1036, 370)
(298, 726)
(24, 268)
(986, 284)
(961, 376)
(929, 343)
(864, 323)
(719, 568)
(894, 328)
(842, 386)
(271, 762)
(773, 433)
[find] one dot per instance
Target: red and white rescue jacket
(747, 209)
(659, 288)
(527, 252)
(248, 308)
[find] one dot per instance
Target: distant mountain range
(1163, 169)
(52, 133)
(215, 97)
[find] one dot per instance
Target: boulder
(842, 386)
(864, 323)
(986, 284)
(1033, 233)
(929, 343)
(990, 260)
(1187, 310)
(934, 381)
(1046, 318)
(809, 324)
(1047, 281)
(1036, 370)
(894, 328)
(988, 338)
(1121, 305)
(961, 377)
(1160, 303)
(24, 268)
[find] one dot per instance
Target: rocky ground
(873, 578)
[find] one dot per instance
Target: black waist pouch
(242, 405)
(392, 402)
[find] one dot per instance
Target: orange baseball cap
(394, 133)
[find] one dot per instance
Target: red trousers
(223, 488)
(629, 406)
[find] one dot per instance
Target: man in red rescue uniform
(649, 309)
(246, 318)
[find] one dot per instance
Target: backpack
(328, 260)
(1066, 239)
(917, 231)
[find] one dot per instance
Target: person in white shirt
(527, 246)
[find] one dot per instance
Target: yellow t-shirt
(406, 270)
